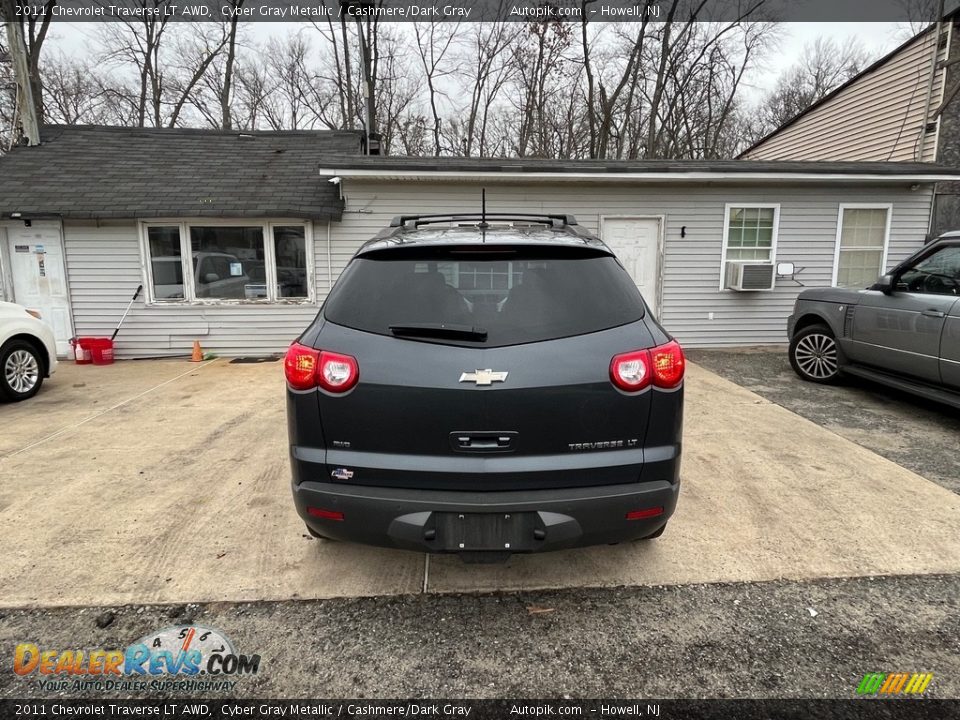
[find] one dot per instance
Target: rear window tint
(517, 297)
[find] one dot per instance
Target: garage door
(636, 241)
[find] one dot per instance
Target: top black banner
(575, 11)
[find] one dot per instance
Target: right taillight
(668, 364)
(307, 368)
(662, 366)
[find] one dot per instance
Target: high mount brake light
(307, 368)
(663, 366)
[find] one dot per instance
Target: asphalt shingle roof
(679, 167)
(114, 172)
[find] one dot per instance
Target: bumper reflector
(325, 514)
(644, 514)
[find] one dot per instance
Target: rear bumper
(541, 520)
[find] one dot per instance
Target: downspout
(918, 153)
(329, 260)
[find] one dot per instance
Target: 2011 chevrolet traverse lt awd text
(485, 385)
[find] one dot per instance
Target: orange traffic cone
(197, 352)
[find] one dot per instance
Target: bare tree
(8, 99)
(196, 52)
(74, 92)
(485, 69)
(602, 101)
(824, 66)
(34, 27)
(434, 41)
(138, 43)
(540, 61)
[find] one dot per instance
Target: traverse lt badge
(483, 377)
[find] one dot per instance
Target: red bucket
(100, 349)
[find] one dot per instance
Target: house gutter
(493, 176)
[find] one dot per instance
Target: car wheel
(814, 355)
(21, 371)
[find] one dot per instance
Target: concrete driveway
(166, 482)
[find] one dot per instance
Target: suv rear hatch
(484, 368)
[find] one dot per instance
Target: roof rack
(545, 219)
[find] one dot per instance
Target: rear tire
(21, 370)
(655, 535)
(815, 355)
(317, 535)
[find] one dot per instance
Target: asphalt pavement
(760, 640)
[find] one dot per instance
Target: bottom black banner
(474, 709)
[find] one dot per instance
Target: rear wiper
(439, 330)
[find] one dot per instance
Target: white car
(28, 352)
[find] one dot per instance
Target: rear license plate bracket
(465, 532)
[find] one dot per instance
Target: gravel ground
(779, 639)
(919, 435)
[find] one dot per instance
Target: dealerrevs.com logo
(186, 657)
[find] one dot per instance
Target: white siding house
(690, 224)
(887, 112)
(237, 241)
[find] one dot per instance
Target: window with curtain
(863, 242)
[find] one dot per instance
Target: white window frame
(726, 236)
(270, 260)
(886, 236)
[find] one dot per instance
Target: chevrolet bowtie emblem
(483, 377)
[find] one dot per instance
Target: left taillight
(300, 366)
(338, 373)
(307, 368)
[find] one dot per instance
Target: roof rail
(546, 219)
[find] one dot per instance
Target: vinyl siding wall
(104, 263)
(880, 116)
(691, 265)
(104, 268)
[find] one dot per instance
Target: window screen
(750, 234)
(863, 236)
(290, 248)
(166, 261)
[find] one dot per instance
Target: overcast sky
(877, 38)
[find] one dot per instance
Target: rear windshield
(517, 296)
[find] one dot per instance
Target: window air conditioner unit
(744, 277)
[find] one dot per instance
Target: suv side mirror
(885, 284)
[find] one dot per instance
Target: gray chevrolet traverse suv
(904, 331)
(485, 386)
